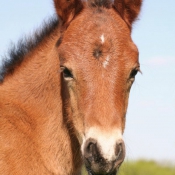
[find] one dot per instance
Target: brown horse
(64, 91)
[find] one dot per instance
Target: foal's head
(99, 62)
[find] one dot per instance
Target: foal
(64, 92)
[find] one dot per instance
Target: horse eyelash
(139, 70)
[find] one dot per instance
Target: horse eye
(67, 74)
(133, 74)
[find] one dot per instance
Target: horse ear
(128, 9)
(67, 9)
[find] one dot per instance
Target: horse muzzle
(98, 163)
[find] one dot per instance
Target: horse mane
(100, 3)
(25, 45)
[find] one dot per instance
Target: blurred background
(150, 126)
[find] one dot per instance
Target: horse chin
(90, 172)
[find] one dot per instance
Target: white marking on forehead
(102, 38)
(106, 141)
(106, 62)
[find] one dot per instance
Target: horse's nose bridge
(104, 116)
(104, 110)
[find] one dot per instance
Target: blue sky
(150, 126)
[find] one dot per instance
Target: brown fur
(67, 10)
(42, 115)
(128, 9)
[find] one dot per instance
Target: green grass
(143, 167)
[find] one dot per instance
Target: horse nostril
(118, 149)
(120, 152)
(90, 148)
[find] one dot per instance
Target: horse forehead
(90, 24)
(98, 37)
(95, 36)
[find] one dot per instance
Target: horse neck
(32, 85)
(33, 94)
